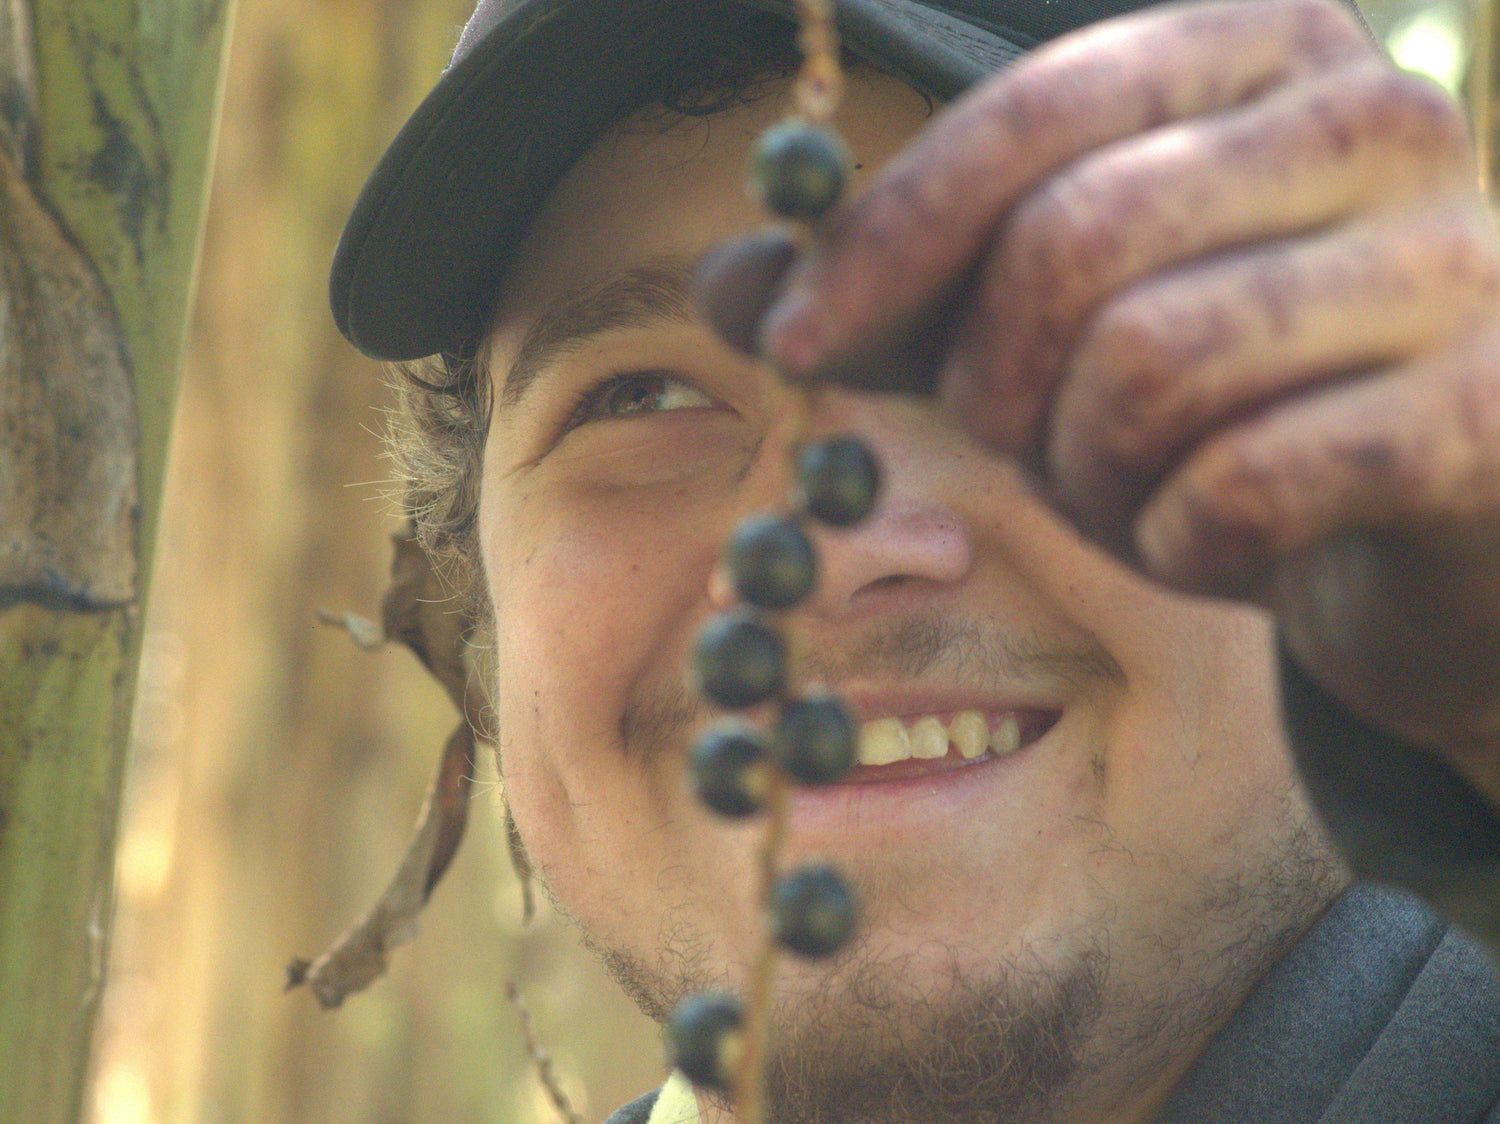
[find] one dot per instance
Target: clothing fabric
(638, 1111)
(673, 1103)
(1383, 1014)
(676, 1104)
(1399, 814)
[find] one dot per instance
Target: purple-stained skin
(1227, 312)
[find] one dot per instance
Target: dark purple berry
(838, 480)
(814, 740)
(706, 1037)
(771, 561)
(798, 170)
(813, 910)
(740, 660)
(731, 769)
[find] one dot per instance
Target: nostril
(904, 549)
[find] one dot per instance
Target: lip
(883, 803)
(866, 703)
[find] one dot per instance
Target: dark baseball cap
(529, 87)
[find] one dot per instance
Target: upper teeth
(883, 741)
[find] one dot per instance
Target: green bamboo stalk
(117, 146)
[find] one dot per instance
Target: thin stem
(750, 1096)
(818, 89)
(820, 83)
(750, 1083)
(540, 1058)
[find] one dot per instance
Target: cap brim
(417, 267)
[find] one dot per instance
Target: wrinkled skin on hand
(1226, 281)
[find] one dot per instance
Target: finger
(734, 283)
(1417, 446)
(895, 248)
(1171, 361)
(1358, 137)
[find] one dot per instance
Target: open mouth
(895, 748)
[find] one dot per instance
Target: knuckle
(1245, 495)
(1215, 530)
(1442, 260)
(1027, 101)
(1074, 236)
(1466, 262)
(1137, 359)
(1476, 420)
(1062, 239)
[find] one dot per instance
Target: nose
(917, 540)
(907, 547)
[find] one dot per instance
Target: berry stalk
(799, 168)
(751, 1083)
(820, 83)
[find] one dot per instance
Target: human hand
(1225, 279)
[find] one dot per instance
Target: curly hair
(435, 437)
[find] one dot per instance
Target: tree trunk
(106, 121)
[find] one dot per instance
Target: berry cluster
(741, 661)
(742, 658)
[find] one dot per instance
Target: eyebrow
(649, 292)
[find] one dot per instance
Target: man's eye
(645, 392)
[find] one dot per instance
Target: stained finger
(734, 284)
(1416, 446)
(1170, 362)
(1360, 137)
(893, 250)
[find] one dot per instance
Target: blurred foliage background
(276, 770)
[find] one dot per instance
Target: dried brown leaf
(360, 956)
(421, 612)
(520, 862)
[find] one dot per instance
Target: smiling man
(1198, 301)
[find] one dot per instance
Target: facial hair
(892, 1048)
(1036, 1037)
(882, 1045)
(871, 1041)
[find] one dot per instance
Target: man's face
(1080, 912)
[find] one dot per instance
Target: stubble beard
(1021, 1039)
(874, 1041)
(953, 1048)
(876, 1044)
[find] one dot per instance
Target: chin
(887, 1039)
(959, 1022)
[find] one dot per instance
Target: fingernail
(738, 282)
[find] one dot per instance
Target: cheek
(1197, 744)
(596, 612)
(595, 599)
(591, 595)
